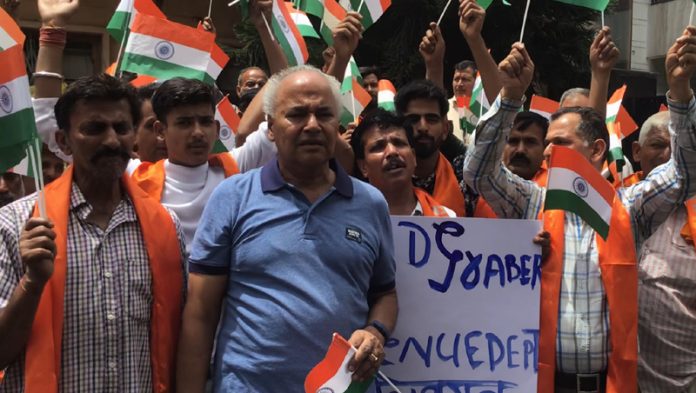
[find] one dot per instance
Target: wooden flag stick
(391, 384)
(602, 19)
(442, 15)
(230, 4)
(210, 8)
(360, 6)
(524, 19)
(691, 17)
(268, 26)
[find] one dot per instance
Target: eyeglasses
(430, 118)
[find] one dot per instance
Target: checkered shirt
(106, 321)
(582, 343)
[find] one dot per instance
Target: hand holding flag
(57, 13)
(516, 72)
(432, 46)
(603, 53)
(333, 372)
(347, 35)
(680, 64)
(471, 18)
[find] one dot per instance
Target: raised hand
(347, 35)
(471, 17)
(57, 13)
(258, 8)
(603, 52)
(680, 64)
(516, 72)
(432, 46)
(37, 248)
(208, 25)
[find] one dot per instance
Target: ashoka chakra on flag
(164, 50)
(5, 99)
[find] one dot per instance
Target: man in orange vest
(588, 321)
(91, 291)
(383, 147)
(424, 106)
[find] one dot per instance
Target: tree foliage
(557, 36)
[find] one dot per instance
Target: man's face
(251, 79)
(149, 146)
(52, 165)
(563, 132)
(429, 127)
(389, 160)
(100, 139)
(304, 124)
(371, 83)
(10, 188)
(463, 82)
(655, 150)
(524, 151)
(576, 100)
(189, 132)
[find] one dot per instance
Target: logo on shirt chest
(353, 234)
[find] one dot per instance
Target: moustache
(520, 159)
(109, 153)
(394, 163)
(424, 138)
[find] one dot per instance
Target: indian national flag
(628, 125)
(333, 15)
(543, 106)
(352, 73)
(613, 108)
(304, 25)
(142, 80)
(288, 35)
(331, 373)
(484, 3)
(229, 123)
(312, 7)
(17, 124)
(125, 13)
(385, 95)
(467, 120)
(597, 5)
(164, 49)
(575, 186)
(10, 33)
(218, 60)
(371, 10)
(479, 103)
(355, 101)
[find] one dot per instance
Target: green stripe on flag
(159, 69)
(18, 127)
(307, 31)
(327, 34)
(484, 3)
(118, 25)
(284, 44)
(219, 147)
(11, 156)
(312, 7)
(359, 387)
(615, 154)
(597, 5)
(569, 201)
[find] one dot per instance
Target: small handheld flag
(613, 109)
(229, 123)
(288, 35)
(543, 106)
(331, 373)
(10, 33)
(332, 16)
(385, 95)
(304, 25)
(575, 186)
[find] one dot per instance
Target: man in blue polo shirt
(291, 253)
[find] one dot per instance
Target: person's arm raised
(346, 36)
(432, 48)
(603, 57)
(277, 60)
(471, 18)
(55, 15)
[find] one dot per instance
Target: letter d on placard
(412, 245)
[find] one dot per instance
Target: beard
(425, 146)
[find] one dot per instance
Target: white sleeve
(256, 151)
(46, 124)
(133, 164)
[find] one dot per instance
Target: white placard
(468, 306)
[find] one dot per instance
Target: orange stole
(617, 263)
(446, 190)
(484, 210)
(150, 176)
(43, 353)
(431, 207)
(690, 227)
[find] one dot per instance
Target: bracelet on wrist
(379, 326)
(47, 74)
(56, 36)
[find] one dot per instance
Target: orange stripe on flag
(143, 80)
(12, 64)
(385, 4)
(663, 108)
(385, 84)
(10, 26)
(219, 56)
(543, 104)
(463, 101)
(361, 94)
(172, 31)
(224, 107)
(293, 28)
(618, 95)
(564, 157)
(329, 366)
(335, 9)
(111, 70)
(628, 125)
(147, 7)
